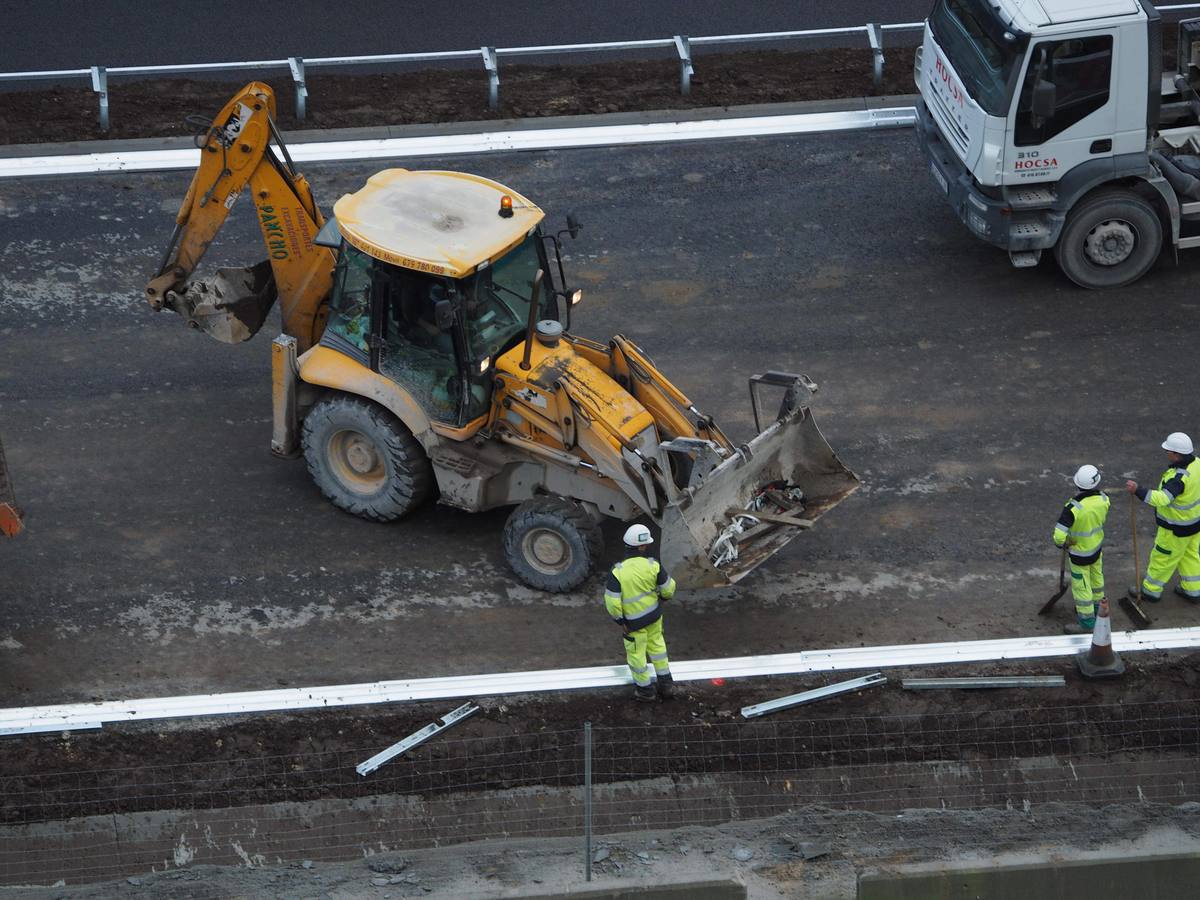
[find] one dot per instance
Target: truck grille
(950, 128)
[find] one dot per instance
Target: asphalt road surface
(168, 552)
(66, 34)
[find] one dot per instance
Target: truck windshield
(975, 42)
(497, 299)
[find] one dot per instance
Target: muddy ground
(159, 108)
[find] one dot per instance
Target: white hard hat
(1087, 477)
(638, 535)
(1178, 442)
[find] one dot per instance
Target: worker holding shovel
(1080, 532)
(1176, 504)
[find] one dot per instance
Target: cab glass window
(1080, 70)
(349, 303)
(497, 299)
(414, 351)
(980, 48)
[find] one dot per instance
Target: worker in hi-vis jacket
(637, 587)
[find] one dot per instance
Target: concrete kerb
(696, 890)
(440, 129)
(1148, 877)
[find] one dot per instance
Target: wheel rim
(547, 551)
(1110, 243)
(356, 461)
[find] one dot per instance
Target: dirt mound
(159, 108)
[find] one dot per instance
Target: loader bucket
(790, 452)
(230, 307)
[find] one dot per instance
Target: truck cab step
(1030, 197)
(1027, 230)
(1025, 259)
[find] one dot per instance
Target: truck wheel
(364, 459)
(1111, 239)
(552, 544)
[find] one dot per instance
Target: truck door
(1081, 120)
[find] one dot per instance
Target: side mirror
(1044, 100)
(573, 225)
(443, 314)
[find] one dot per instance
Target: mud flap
(232, 306)
(791, 451)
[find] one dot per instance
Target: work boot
(645, 694)
(666, 686)
(1076, 628)
(1188, 597)
(1133, 595)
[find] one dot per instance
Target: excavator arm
(235, 155)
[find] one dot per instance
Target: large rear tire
(552, 544)
(1111, 239)
(364, 459)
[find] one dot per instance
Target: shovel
(1132, 607)
(1062, 585)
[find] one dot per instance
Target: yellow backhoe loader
(427, 350)
(10, 514)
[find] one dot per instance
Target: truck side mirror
(1044, 100)
(573, 225)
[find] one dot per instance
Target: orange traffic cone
(1100, 661)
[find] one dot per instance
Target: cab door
(1080, 125)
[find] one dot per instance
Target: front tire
(552, 544)
(1111, 239)
(364, 459)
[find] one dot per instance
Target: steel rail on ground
(77, 716)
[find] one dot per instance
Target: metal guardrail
(490, 56)
(297, 66)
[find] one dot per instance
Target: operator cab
(434, 277)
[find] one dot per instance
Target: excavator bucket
(755, 502)
(230, 307)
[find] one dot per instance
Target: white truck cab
(1041, 123)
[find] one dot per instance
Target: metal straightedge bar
(66, 717)
(485, 142)
(830, 690)
(1020, 681)
(46, 727)
(417, 738)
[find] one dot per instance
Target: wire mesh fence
(97, 824)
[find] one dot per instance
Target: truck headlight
(977, 222)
